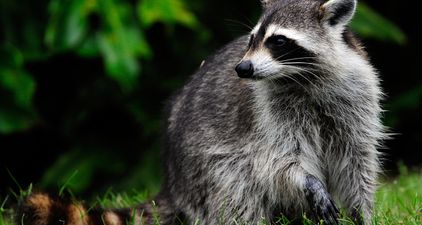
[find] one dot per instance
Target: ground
(398, 201)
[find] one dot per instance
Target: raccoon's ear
(338, 12)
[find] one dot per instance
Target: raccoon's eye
(250, 40)
(277, 41)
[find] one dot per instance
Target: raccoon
(284, 121)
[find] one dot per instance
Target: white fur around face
(289, 33)
(301, 38)
(263, 63)
(255, 29)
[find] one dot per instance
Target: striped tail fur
(44, 209)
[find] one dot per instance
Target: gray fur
(241, 149)
(299, 137)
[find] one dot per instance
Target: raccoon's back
(215, 104)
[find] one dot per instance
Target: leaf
(370, 24)
(20, 84)
(117, 39)
(165, 11)
(22, 26)
(13, 77)
(121, 44)
(68, 24)
(121, 66)
(15, 120)
(17, 89)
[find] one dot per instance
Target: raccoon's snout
(245, 69)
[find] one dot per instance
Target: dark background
(86, 112)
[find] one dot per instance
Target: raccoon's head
(299, 37)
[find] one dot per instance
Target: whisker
(235, 22)
(290, 77)
(251, 23)
(298, 58)
(309, 72)
(304, 77)
(302, 63)
(310, 66)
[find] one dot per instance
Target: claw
(321, 202)
(336, 210)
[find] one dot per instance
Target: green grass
(398, 201)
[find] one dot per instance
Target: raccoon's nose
(245, 69)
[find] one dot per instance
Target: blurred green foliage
(16, 88)
(369, 24)
(117, 33)
(165, 11)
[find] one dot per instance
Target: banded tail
(44, 209)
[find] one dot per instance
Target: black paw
(320, 201)
(327, 211)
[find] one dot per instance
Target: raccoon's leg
(359, 200)
(320, 201)
(356, 184)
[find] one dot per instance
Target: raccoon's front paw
(320, 201)
(326, 210)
